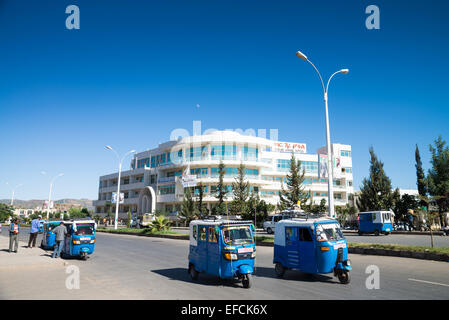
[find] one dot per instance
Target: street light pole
(330, 180)
(117, 197)
(13, 192)
(49, 194)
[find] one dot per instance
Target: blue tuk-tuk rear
(48, 237)
(222, 248)
(80, 240)
(376, 222)
(315, 246)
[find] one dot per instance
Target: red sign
(290, 146)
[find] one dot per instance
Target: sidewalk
(25, 258)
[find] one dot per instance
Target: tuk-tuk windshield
(52, 226)
(237, 235)
(329, 232)
(82, 229)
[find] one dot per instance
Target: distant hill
(31, 204)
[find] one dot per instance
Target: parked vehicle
(48, 238)
(223, 248)
(41, 225)
(311, 245)
(80, 240)
(376, 222)
(270, 224)
(147, 219)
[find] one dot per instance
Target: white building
(154, 178)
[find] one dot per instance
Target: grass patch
(398, 247)
(264, 239)
(140, 231)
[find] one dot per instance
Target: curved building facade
(154, 178)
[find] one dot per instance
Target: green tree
(295, 188)
(129, 219)
(240, 189)
(438, 176)
(6, 211)
(220, 207)
(201, 207)
(406, 202)
(189, 211)
(420, 176)
(376, 192)
(256, 210)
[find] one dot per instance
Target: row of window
(345, 153)
(308, 166)
(233, 172)
(217, 152)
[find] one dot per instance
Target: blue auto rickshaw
(48, 237)
(311, 245)
(376, 222)
(41, 225)
(80, 240)
(222, 248)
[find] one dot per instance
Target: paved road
(404, 239)
(129, 267)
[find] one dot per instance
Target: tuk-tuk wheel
(269, 231)
(343, 277)
(360, 233)
(247, 281)
(193, 273)
(279, 269)
(376, 232)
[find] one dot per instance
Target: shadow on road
(293, 275)
(181, 274)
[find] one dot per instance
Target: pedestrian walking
(34, 230)
(14, 230)
(61, 232)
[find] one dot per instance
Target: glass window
(289, 233)
(304, 234)
(212, 235)
(237, 235)
(202, 234)
(194, 231)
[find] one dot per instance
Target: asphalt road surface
(130, 267)
(403, 239)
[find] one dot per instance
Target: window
(345, 153)
(251, 154)
(194, 232)
(289, 233)
(212, 235)
(202, 234)
(167, 189)
(304, 234)
(198, 153)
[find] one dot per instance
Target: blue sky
(137, 69)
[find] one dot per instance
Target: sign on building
(114, 197)
(290, 147)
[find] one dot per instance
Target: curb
(356, 250)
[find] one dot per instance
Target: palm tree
(160, 223)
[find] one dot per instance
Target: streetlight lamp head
(345, 71)
(108, 147)
(133, 151)
(301, 55)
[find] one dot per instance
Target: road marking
(436, 283)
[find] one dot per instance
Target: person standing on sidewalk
(34, 230)
(14, 229)
(61, 232)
